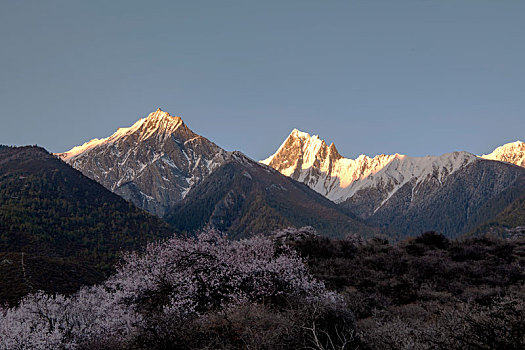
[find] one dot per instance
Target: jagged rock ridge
(310, 160)
(395, 190)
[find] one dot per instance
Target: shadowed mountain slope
(510, 222)
(464, 200)
(243, 197)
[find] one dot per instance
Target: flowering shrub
(178, 280)
(191, 276)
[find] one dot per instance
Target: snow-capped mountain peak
(160, 120)
(300, 150)
(301, 134)
(309, 159)
(154, 163)
(513, 152)
(155, 123)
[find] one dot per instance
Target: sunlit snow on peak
(158, 122)
(308, 159)
(513, 152)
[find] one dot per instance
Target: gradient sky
(413, 77)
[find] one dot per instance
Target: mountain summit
(158, 122)
(310, 160)
(154, 163)
(513, 153)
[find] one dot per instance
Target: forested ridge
(58, 229)
(509, 222)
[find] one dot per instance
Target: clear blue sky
(414, 77)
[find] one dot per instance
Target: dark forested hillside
(58, 229)
(509, 222)
(466, 199)
(243, 197)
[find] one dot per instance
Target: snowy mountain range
(160, 165)
(159, 162)
(310, 160)
(395, 190)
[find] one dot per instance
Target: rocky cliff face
(153, 163)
